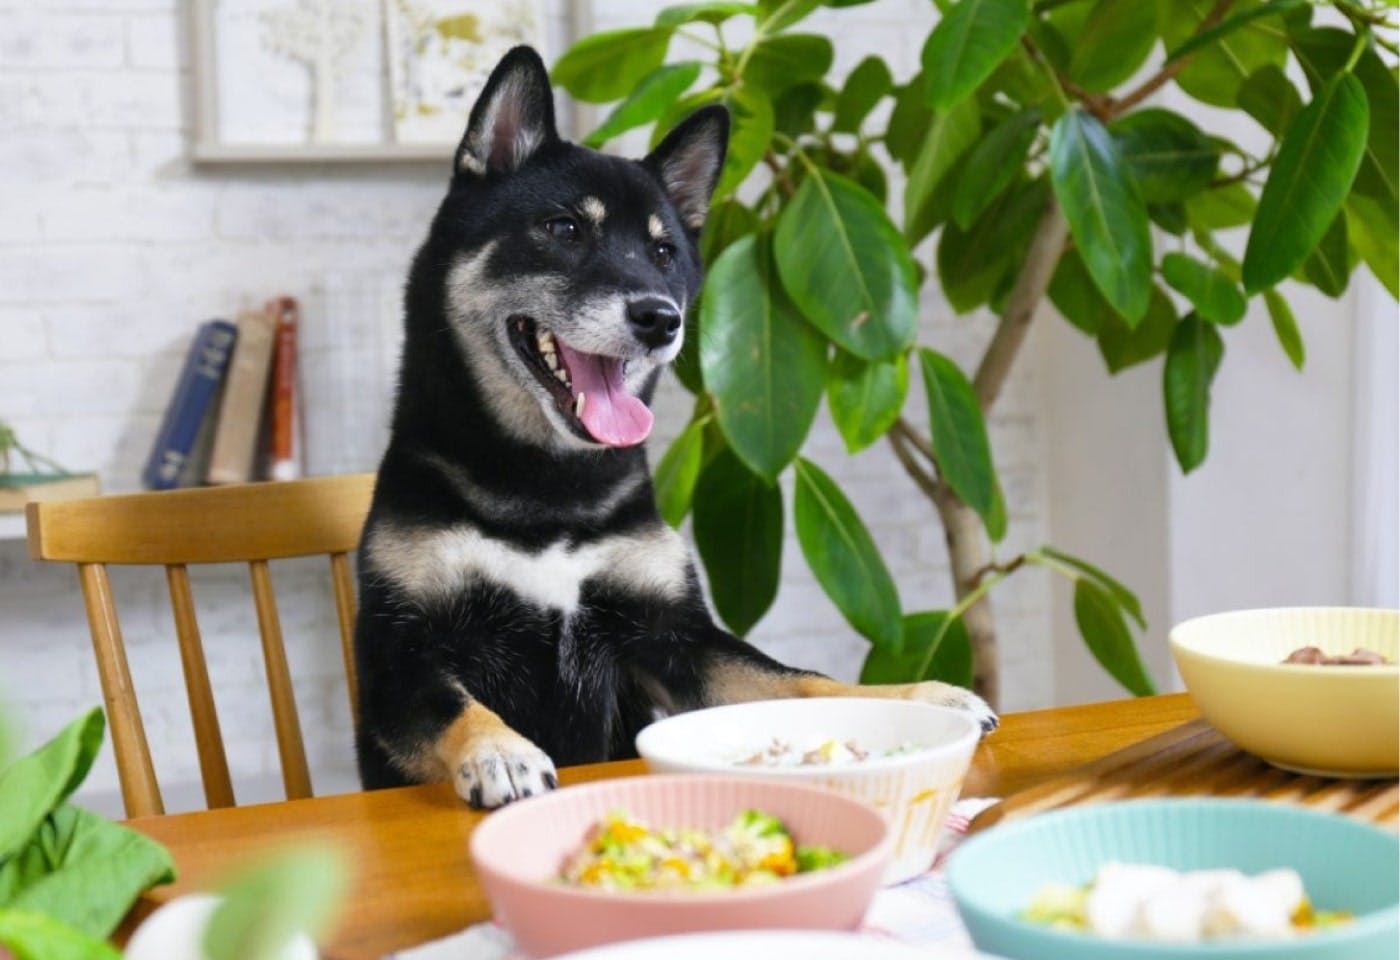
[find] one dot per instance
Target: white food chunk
(1120, 889)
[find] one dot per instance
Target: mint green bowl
(1345, 865)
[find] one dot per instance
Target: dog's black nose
(654, 321)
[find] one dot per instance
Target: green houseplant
(1032, 159)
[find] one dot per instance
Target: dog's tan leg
(490, 764)
(740, 682)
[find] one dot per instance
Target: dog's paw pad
(494, 772)
(949, 695)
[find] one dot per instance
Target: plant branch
(1047, 244)
(1169, 73)
(780, 173)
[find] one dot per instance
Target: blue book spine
(204, 370)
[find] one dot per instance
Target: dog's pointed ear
(689, 162)
(513, 117)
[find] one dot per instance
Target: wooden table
(408, 846)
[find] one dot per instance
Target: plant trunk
(969, 554)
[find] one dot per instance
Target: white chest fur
(434, 564)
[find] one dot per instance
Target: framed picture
(321, 80)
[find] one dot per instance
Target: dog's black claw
(990, 723)
(551, 781)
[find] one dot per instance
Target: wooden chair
(250, 523)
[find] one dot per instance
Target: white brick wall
(113, 246)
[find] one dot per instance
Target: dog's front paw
(493, 771)
(950, 695)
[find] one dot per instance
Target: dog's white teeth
(562, 374)
(545, 342)
(578, 406)
(551, 360)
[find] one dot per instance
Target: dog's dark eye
(562, 228)
(663, 254)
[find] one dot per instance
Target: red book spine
(284, 460)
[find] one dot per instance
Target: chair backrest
(245, 523)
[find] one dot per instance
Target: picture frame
(289, 81)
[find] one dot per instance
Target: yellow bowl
(1335, 721)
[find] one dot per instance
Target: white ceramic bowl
(912, 790)
(1336, 721)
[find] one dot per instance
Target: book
(17, 489)
(205, 366)
(196, 465)
(233, 457)
(284, 454)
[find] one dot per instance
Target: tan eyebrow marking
(594, 210)
(655, 228)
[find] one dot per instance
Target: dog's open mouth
(589, 388)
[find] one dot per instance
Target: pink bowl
(519, 849)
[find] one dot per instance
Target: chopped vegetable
(622, 853)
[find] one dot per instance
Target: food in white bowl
(916, 756)
(816, 752)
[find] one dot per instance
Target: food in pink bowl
(525, 854)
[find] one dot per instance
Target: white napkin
(919, 911)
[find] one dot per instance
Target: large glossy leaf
(778, 15)
(972, 264)
(843, 557)
(967, 44)
(992, 164)
(1168, 155)
(787, 59)
(1270, 98)
(677, 473)
(1325, 51)
(795, 109)
(1286, 328)
(1192, 359)
(1122, 347)
(1116, 39)
(739, 534)
(1220, 208)
(1328, 267)
(865, 396)
(1214, 35)
(1214, 73)
(1211, 292)
(661, 88)
(1373, 229)
(712, 13)
(1106, 635)
(949, 134)
(1308, 182)
(609, 65)
(1073, 293)
(750, 133)
(934, 649)
(764, 367)
(1123, 598)
(959, 433)
(846, 268)
(30, 935)
(1106, 213)
(866, 85)
(909, 122)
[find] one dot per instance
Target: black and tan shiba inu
(522, 604)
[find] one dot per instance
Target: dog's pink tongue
(611, 414)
